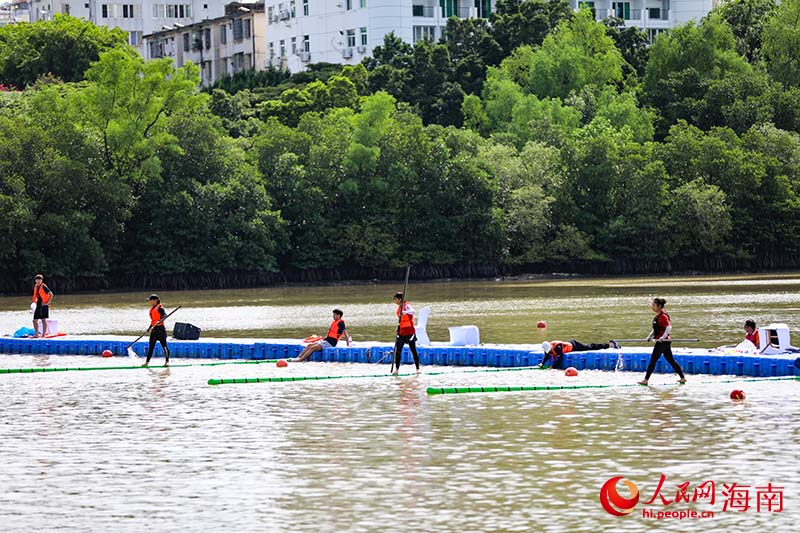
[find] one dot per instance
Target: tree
(781, 41)
(747, 18)
(63, 47)
(515, 23)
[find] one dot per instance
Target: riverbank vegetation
(544, 140)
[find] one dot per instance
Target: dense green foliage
(63, 47)
(544, 138)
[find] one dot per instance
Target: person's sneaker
(614, 344)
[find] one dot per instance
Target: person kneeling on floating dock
(554, 351)
(661, 329)
(335, 333)
(406, 333)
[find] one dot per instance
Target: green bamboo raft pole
(38, 370)
(468, 390)
(279, 379)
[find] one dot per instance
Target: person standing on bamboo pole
(406, 333)
(661, 329)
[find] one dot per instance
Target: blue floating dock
(692, 360)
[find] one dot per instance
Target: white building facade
(651, 16)
(136, 17)
(300, 32)
(224, 45)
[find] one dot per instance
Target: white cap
(546, 346)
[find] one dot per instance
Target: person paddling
(661, 329)
(406, 333)
(158, 332)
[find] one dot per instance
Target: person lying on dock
(554, 350)
(335, 332)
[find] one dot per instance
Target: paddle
(402, 307)
(654, 340)
(129, 348)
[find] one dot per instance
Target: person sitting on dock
(335, 332)
(554, 350)
(751, 333)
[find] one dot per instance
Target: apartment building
(652, 16)
(223, 45)
(136, 17)
(14, 12)
(345, 31)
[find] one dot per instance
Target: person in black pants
(661, 329)
(158, 332)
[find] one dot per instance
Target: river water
(161, 450)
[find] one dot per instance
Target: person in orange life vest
(42, 297)
(158, 332)
(661, 329)
(554, 351)
(751, 333)
(335, 332)
(406, 333)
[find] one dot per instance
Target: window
(269, 15)
(424, 32)
(125, 11)
(170, 11)
(237, 29)
(283, 48)
(188, 11)
(294, 46)
(348, 4)
(363, 3)
(207, 37)
(246, 25)
(271, 51)
(351, 38)
(621, 10)
(104, 11)
(223, 34)
(181, 13)
(306, 44)
(654, 13)
(132, 38)
(305, 8)
(186, 42)
(363, 36)
(291, 8)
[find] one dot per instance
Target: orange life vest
(45, 295)
(754, 338)
(406, 321)
(155, 315)
(566, 347)
(334, 331)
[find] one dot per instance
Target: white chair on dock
(464, 335)
(422, 326)
(775, 339)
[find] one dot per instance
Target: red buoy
(107, 353)
(541, 324)
(571, 372)
(282, 363)
(737, 395)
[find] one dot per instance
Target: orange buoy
(107, 353)
(571, 372)
(737, 395)
(282, 363)
(541, 324)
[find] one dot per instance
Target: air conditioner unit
(275, 18)
(361, 49)
(347, 53)
(284, 15)
(305, 57)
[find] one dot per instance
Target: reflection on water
(710, 308)
(158, 449)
